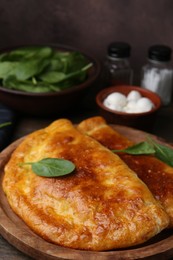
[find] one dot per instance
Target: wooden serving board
(15, 231)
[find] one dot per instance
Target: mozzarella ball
(133, 103)
(115, 101)
(130, 107)
(133, 95)
(144, 104)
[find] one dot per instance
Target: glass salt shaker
(157, 74)
(117, 65)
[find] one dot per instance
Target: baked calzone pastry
(157, 175)
(102, 205)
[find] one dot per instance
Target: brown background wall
(88, 24)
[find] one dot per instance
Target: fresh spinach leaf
(51, 167)
(55, 65)
(56, 77)
(28, 86)
(6, 67)
(53, 76)
(162, 152)
(27, 69)
(42, 69)
(42, 53)
(139, 148)
(5, 124)
(24, 53)
(78, 72)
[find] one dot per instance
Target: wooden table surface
(163, 128)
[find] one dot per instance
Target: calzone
(102, 205)
(157, 175)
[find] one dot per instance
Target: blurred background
(89, 25)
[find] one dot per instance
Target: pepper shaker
(117, 65)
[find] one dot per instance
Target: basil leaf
(52, 167)
(137, 149)
(163, 152)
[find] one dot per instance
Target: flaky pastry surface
(102, 205)
(157, 175)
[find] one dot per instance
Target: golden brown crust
(157, 175)
(101, 206)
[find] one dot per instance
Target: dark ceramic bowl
(143, 121)
(51, 103)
